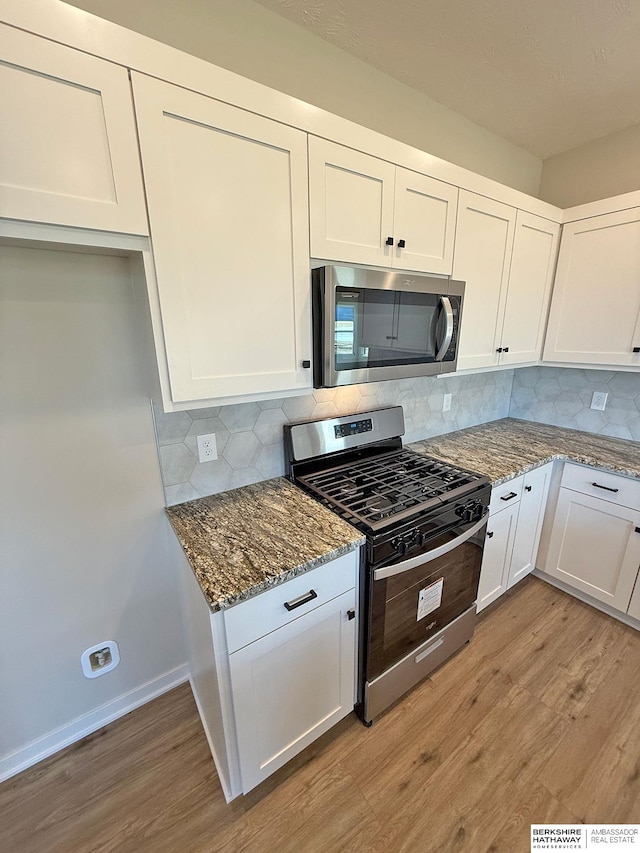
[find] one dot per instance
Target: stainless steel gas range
(425, 523)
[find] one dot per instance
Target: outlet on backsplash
(446, 402)
(599, 400)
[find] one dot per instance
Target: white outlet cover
(599, 400)
(85, 659)
(207, 447)
(446, 403)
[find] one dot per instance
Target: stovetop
(378, 492)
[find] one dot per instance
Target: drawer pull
(606, 488)
(509, 496)
(303, 599)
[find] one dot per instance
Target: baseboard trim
(43, 747)
(587, 599)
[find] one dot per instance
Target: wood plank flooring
(537, 720)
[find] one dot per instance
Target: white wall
(599, 169)
(85, 553)
(252, 41)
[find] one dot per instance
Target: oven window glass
(398, 625)
(378, 328)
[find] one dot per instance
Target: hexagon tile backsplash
(562, 396)
(249, 435)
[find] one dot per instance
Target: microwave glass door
(382, 328)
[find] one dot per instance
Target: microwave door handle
(421, 559)
(445, 303)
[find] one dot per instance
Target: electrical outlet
(99, 659)
(446, 402)
(599, 400)
(207, 449)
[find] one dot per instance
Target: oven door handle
(448, 312)
(407, 565)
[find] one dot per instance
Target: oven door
(413, 599)
(385, 326)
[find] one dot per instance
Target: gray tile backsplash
(562, 396)
(249, 435)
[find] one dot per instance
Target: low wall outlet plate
(100, 658)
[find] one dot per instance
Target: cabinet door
(595, 547)
(68, 146)
(291, 686)
(227, 194)
(596, 298)
(498, 548)
(351, 196)
(484, 240)
(532, 266)
(530, 518)
(634, 604)
(425, 218)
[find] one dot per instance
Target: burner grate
(386, 488)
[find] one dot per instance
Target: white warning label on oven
(429, 599)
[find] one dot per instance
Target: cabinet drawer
(506, 494)
(608, 487)
(252, 619)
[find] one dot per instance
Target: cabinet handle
(506, 349)
(351, 614)
(499, 349)
(401, 244)
(306, 363)
(509, 496)
(389, 241)
(637, 529)
(303, 599)
(489, 534)
(528, 488)
(636, 349)
(606, 488)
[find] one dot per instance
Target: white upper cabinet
(507, 258)
(595, 309)
(68, 147)
(367, 211)
(228, 209)
(484, 240)
(533, 261)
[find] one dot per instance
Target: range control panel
(343, 430)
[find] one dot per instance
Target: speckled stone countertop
(503, 449)
(243, 542)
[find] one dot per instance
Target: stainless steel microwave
(370, 325)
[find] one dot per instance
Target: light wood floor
(537, 720)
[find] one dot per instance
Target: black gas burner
(375, 492)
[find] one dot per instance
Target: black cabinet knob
(401, 244)
(499, 349)
(489, 534)
(306, 363)
(351, 614)
(389, 241)
(636, 349)
(528, 488)
(506, 349)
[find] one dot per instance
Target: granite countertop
(503, 449)
(243, 542)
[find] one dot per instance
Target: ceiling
(548, 75)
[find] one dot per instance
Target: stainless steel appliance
(370, 325)
(425, 523)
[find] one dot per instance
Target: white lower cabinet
(513, 533)
(273, 673)
(292, 685)
(595, 548)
